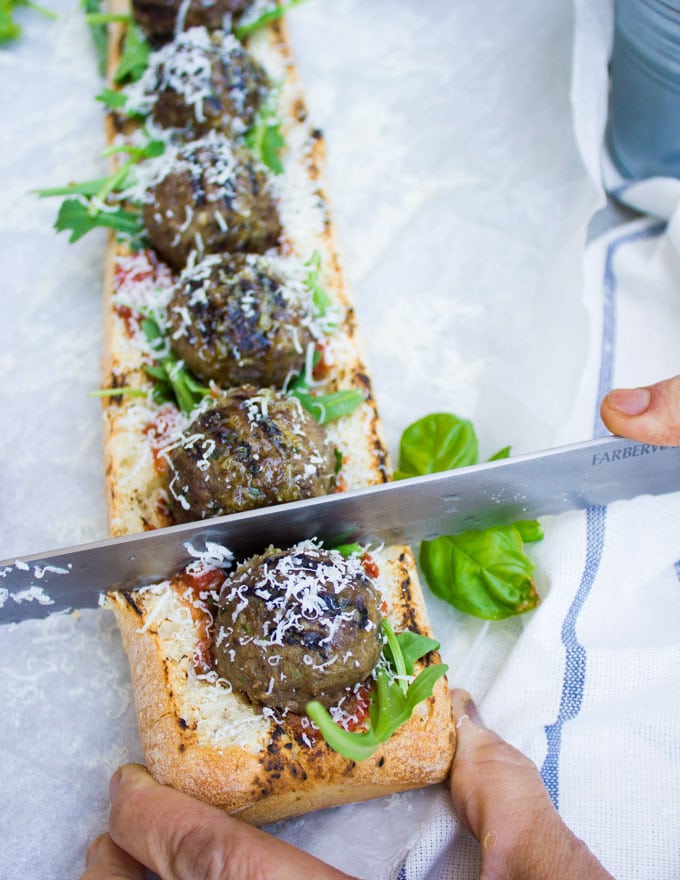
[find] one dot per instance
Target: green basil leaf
(438, 442)
(530, 530)
(502, 453)
(486, 574)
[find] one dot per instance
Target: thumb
(499, 796)
(178, 837)
(650, 414)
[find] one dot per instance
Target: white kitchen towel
(591, 689)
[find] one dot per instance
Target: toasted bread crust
(276, 771)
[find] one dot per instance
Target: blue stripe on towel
(573, 683)
(677, 568)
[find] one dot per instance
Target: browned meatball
(238, 319)
(298, 625)
(253, 448)
(200, 81)
(208, 196)
(159, 18)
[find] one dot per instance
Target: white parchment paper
(462, 203)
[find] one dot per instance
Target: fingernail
(92, 851)
(115, 782)
(630, 401)
(471, 712)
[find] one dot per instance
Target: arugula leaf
(135, 57)
(174, 382)
(9, 29)
(112, 99)
(349, 549)
(98, 32)
(96, 17)
(486, 574)
(126, 390)
(86, 188)
(322, 300)
(264, 138)
(438, 442)
(91, 210)
(329, 407)
(325, 407)
(413, 646)
(392, 703)
(271, 15)
(77, 217)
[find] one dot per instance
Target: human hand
(499, 796)
(650, 414)
(181, 838)
(496, 791)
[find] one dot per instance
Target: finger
(490, 779)
(499, 795)
(179, 837)
(106, 861)
(650, 414)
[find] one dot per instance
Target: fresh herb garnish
(393, 701)
(79, 218)
(483, 573)
(264, 138)
(112, 99)
(271, 15)
(346, 550)
(329, 407)
(95, 204)
(324, 408)
(9, 29)
(438, 442)
(173, 382)
(98, 32)
(324, 307)
(135, 56)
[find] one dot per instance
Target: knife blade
(577, 476)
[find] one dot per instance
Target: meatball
(296, 625)
(239, 319)
(159, 18)
(198, 82)
(253, 448)
(210, 197)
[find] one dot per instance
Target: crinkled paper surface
(461, 202)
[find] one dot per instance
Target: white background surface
(462, 204)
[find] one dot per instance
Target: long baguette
(198, 735)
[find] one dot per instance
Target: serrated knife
(405, 512)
